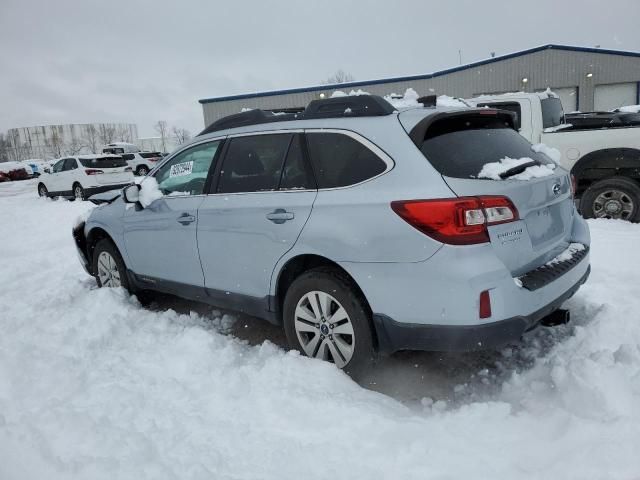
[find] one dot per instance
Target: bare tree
(162, 129)
(55, 143)
(91, 138)
(106, 133)
(339, 77)
(181, 135)
(4, 148)
(123, 134)
(75, 147)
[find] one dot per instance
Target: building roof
(419, 77)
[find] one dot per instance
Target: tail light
(574, 185)
(93, 171)
(153, 159)
(457, 221)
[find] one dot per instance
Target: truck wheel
(325, 317)
(615, 197)
(142, 170)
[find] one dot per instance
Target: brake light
(93, 171)
(574, 185)
(457, 221)
(153, 159)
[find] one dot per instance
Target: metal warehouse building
(586, 79)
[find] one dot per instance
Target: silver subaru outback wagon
(360, 229)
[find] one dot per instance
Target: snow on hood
(493, 170)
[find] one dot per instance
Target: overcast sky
(143, 61)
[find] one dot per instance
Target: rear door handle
(186, 219)
(280, 215)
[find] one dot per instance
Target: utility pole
(460, 57)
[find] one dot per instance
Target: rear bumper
(394, 336)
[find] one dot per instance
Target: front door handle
(280, 215)
(186, 219)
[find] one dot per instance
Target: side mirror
(47, 170)
(131, 193)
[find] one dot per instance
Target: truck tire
(615, 197)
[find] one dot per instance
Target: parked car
(4, 177)
(604, 158)
(16, 170)
(118, 148)
(359, 229)
(142, 162)
(84, 175)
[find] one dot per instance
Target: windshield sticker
(181, 169)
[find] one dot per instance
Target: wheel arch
(604, 163)
(93, 237)
(296, 266)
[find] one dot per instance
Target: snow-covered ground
(94, 386)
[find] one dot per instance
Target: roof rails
(335, 107)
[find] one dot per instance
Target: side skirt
(246, 304)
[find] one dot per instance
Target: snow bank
(553, 153)
(94, 386)
(149, 191)
(493, 170)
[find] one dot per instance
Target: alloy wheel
(77, 192)
(324, 328)
(108, 270)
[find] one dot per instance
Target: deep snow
(93, 386)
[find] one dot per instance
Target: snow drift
(94, 386)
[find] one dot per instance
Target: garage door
(568, 97)
(614, 95)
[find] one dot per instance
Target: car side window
(58, 166)
(186, 173)
(70, 164)
(253, 163)
(297, 174)
(339, 160)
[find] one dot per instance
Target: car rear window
(460, 146)
(150, 154)
(552, 113)
(103, 162)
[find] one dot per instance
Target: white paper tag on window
(181, 169)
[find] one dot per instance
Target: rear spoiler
(419, 131)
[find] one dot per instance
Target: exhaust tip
(558, 317)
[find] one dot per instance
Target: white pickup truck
(604, 161)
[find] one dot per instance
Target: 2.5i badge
(181, 169)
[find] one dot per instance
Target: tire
(42, 190)
(314, 336)
(142, 170)
(615, 197)
(108, 255)
(78, 192)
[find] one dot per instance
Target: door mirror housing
(131, 194)
(47, 170)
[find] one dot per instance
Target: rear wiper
(518, 169)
